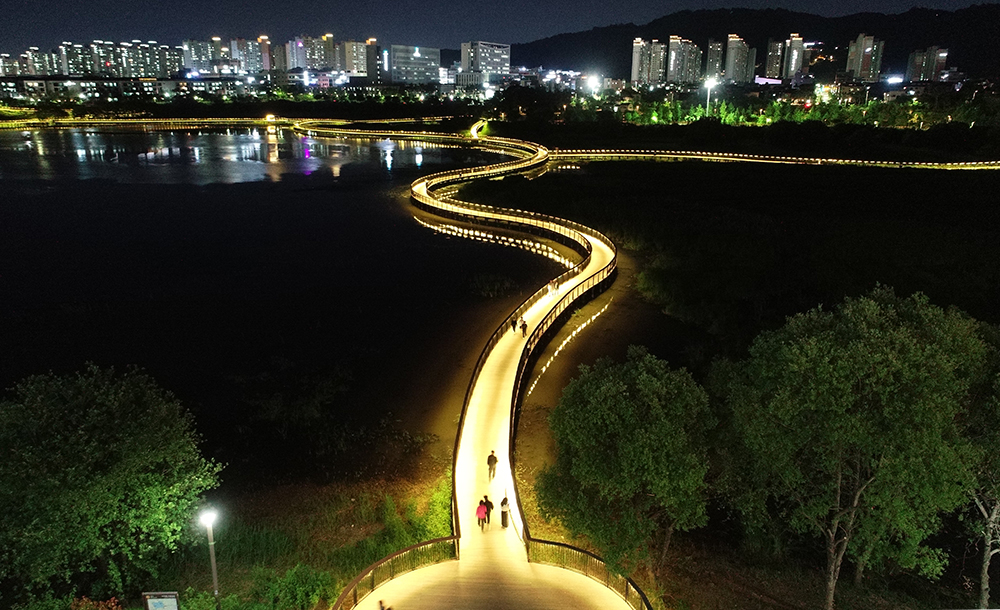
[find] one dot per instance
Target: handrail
(751, 158)
(394, 565)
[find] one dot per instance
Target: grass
(296, 547)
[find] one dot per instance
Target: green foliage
(44, 602)
(204, 600)
(300, 588)
(631, 456)
(846, 422)
(437, 522)
(99, 480)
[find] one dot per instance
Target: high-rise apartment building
(9, 65)
(926, 65)
(490, 59)
(775, 49)
(248, 55)
(740, 60)
(311, 53)
(75, 59)
(198, 55)
(864, 58)
(376, 62)
(414, 65)
(794, 57)
(713, 61)
(649, 61)
(352, 57)
(683, 61)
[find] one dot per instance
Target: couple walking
(485, 508)
(483, 512)
(515, 323)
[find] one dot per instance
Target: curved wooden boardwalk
(494, 568)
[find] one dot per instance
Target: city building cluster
(679, 61)
(240, 65)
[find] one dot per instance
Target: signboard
(160, 600)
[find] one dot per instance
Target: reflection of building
(683, 61)
(414, 65)
(794, 57)
(926, 65)
(490, 59)
(648, 62)
(864, 58)
(740, 60)
(713, 63)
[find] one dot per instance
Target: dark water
(263, 278)
(202, 157)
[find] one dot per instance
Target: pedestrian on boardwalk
(513, 324)
(524, 328)
(491, 463)
(481, 514)
(504, 511)
(489, 508)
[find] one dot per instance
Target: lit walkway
(493, 566)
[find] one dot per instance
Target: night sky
(432, 23)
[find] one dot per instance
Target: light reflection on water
(200, 157)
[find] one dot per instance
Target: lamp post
(708, 96)
(207, 518)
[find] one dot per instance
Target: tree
(631, 461)
(983, 430)
(99, 478)
(847, 421)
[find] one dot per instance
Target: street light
(207, 518)
(708, 96)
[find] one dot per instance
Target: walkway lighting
(207, 518)
(708, 96)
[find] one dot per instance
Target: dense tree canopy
(631, 459)
(99, 477)
(847, 421)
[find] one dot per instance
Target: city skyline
(443, 24)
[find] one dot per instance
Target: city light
(709, 84)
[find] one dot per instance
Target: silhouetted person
(491, 462)
(524, 328)
(489, 507)
(504, 511)
(513, 324)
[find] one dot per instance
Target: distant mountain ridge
(971, 35)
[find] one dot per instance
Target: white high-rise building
(683, 61)
(414, 65)
(649, 61)
(491, 59)
(794, 57)
(864, 58)
(740, 59)
(713, 63)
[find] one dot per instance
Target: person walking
(513, 324)
(491, 463)
(489, 508)
(504, 511)
(524, 328)
(481, 515)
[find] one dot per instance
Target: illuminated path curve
(494, 567)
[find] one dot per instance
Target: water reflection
(200, 156)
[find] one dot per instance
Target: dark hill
(971, 35)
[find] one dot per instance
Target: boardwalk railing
(397, 564)
(590, 565)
